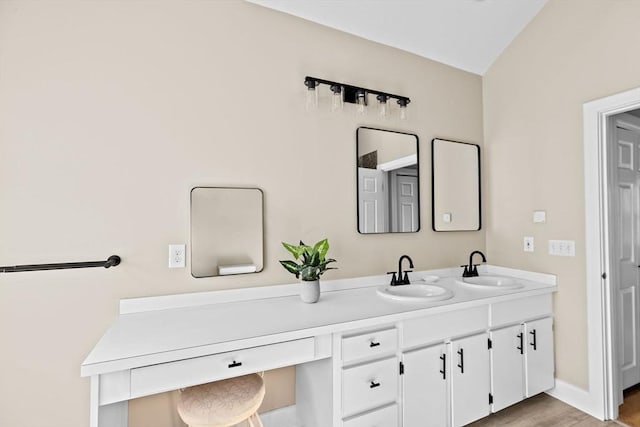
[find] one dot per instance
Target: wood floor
(542, 411)
(629, 411)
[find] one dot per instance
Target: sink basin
(492, 282)
(415, 293)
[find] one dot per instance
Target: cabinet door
(425, 387)
(507, 379)
(470, 379)
(539, 375)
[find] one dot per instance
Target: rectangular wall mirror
(226, 231)
(388, 181)
(455, 183)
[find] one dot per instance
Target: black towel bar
(112, 261)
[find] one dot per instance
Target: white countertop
(156, 336)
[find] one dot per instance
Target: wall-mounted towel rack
(112, 261)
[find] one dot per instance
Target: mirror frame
(358, 183)
(433, 187)
(262, 237)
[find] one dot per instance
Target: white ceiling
(466, 34)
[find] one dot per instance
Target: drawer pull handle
(534, 343)
(521, 346)
(374, 344)
(235, 364)
(461, 364)
(374, 384)
(443, 357)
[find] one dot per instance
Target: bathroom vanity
(361, 359)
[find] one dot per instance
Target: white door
(470, 379)
(372, 203)
(425, 387)
(538, 354)
(624, 246)
(404, 206)
(507, 366)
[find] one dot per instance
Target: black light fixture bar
(350, 91)
(112, 261)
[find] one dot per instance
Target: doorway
(603, 239)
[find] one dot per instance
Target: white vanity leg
(112, 415)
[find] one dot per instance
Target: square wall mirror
(226, 231)
(455, 168)
(388, 181)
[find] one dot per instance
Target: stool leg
(258, 420)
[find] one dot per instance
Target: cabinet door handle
(443, 357)
(533, 343)
(461, 364)
(374, 384)
(374, 344)
(235, 364)
(521, 346)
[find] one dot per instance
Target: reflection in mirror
(456, 186)
(226, 231)
(388, 181)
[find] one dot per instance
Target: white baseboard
(574, 396)
(281, 417)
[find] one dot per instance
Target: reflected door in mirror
(388, 181)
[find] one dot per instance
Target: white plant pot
(310, 291)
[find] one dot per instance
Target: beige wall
(110, 112)
(574, 51)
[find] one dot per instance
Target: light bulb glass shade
(361, 101)
(403, 108)
(337, 102)
(311, 101)
(403, 112)
(383, 106)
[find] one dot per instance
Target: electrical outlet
(528, 244)
(177, 256)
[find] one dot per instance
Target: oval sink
(493, 282)
(415, 292)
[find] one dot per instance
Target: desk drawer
(199, 370)
(369, 386)
(369, 345)
(385, 417)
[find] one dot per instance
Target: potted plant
(312, 265)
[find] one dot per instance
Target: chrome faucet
(400, 280)
(471, 270)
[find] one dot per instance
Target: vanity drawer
(519, 310)
(199, 370)
(369, 386)
(369, 345)
(439, 327)
(385, 417)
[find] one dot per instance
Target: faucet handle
(405, 279)
(393, 278)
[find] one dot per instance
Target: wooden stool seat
(222, 403)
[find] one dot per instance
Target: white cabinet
(425, 387)
(539, 372)
(521, 362)
(470, 379)
(447, 384)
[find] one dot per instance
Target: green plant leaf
(315, 259)
(322, 247)
(291, 267)
(294, 250)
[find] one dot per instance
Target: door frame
(601, 398)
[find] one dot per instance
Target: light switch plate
(177, 256)
(562, 247)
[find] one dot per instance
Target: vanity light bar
(354, 94)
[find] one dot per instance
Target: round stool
(223, 403)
